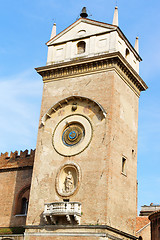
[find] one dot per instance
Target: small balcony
(62, 213)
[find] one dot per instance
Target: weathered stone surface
(107, 196)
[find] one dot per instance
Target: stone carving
(67, 179)
(76, 102)
(69, 184)
(71, 210)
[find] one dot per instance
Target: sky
(25, 27)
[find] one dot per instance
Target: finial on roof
(136, 46)
(53, 33)
(84, 13)
(115, 17)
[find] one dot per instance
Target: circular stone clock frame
(72, 135)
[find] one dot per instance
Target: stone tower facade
(84, 183)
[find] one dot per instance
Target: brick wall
(15, 178)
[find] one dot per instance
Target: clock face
(72, 135)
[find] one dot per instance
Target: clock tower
(84, 183)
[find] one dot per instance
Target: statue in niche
(69, 183)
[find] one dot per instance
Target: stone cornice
(154, 215)
(84, 20)
(80, 228)
(83, 37)
(16, 169)
(90, 65)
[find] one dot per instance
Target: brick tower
(84, 183)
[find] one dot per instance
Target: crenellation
(23, 154)
(13, 154)
(4, 155)
(14, 160)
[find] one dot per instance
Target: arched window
(127, 53)
(81, 47)
(22, 201)
(124, 165)
(24, 206)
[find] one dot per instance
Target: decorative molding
(80, 228)
(90, 65)
(57, 140)
(55, 210)
(85, 20)
(4, 236)
(67, 101)
(16, 168)
(68, 234)
(108, 27)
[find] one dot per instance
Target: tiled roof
(141, 222)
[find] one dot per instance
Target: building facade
(84, 182)
(155, 225)
(15, 174)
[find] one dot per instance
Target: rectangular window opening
(124, 165)
(65, 200)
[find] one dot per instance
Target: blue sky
(25, 27)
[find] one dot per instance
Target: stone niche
(67, 183)
(68, 180)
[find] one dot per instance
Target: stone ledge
(92, 65)
(11, 230)
(91, 227)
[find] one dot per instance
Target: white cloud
(20, 98)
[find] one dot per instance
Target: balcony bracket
(58, 210)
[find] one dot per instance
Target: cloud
(20, 98)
